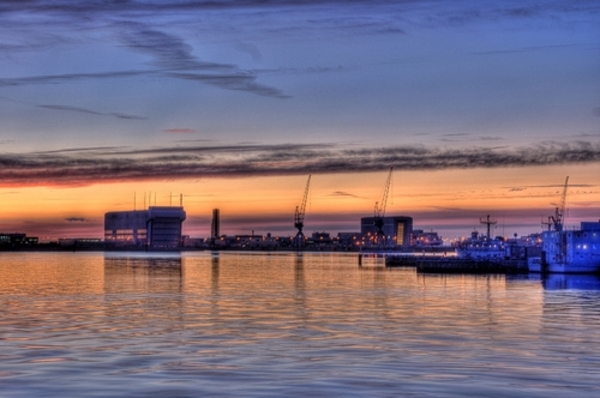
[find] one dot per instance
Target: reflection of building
(151, 274)
(397, 230)
(157, 227)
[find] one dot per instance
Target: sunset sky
(482, 107)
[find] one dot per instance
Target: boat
(480, 247)
(512, 253)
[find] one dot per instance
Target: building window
(400, 234)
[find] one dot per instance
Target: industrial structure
(558, 219)
(572, 251)
(299, 216)
(395, 231)
(488, 221)
(158, 227)
(379, 212)
(215, 225)
(16, 239)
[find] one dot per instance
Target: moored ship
(479, 247)
(574, 251)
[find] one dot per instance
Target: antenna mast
(489, 222)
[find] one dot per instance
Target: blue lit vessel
(572, 251)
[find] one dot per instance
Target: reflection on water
(214, 284)
(233, 324)
(142, 272)
(578, 282)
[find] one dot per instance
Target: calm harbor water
(201, 324)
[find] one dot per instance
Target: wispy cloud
(241, 81)
(75, 219)
(557, 186)
(179, 130)
(250, 49)
(90, 112)
(65, 77)
(345, 194)
(89, 167)
(465, 137)
(169, 55)
(138, 27)
(520, 50)
(168, 51)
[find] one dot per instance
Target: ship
(571, 251)
(480, 247)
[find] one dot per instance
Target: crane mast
(299, 215)
(379, 211)
(558, 220)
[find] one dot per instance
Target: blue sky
(130, 91)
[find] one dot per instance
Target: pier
(441, 264)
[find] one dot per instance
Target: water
(196, 324)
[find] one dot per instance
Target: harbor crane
(548, 223)
(299, 216)
(558, 219)
(379, 212)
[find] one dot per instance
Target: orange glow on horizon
(471, 193)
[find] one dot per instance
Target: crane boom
(379, 212)
(380, 206)
(558, 220)
(301, 212)
(563, 201)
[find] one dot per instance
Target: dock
(454, 265)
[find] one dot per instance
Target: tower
(215, 226)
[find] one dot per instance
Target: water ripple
(260, 325)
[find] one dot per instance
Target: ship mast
(489, 222)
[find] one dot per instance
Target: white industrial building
(158, 227)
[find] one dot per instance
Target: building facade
(397, 230)
(158, 227)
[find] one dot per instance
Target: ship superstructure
(571, 251)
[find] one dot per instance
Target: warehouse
(158, 227)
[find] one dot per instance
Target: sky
(482, 107)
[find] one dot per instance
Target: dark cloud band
(85, 167)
